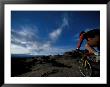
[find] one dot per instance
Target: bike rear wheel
(85, 68)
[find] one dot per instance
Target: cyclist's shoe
(97, 54)
(97, 58)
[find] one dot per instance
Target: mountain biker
(93, 40)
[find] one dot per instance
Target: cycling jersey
(88, 35)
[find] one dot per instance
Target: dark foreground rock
(59, 67)
(47, 66)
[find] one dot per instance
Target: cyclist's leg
(90, 48)
(91, 43)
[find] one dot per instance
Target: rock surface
(47, 66)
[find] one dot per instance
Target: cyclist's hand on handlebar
(77, 49)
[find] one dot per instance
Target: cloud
(50, 51)
(57, 32)
(17, 49)
(26, 40)
(24, 37)
(76, 37)
(24, 33)
(65, 22)
(40, 47)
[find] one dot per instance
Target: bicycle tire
(85, 68)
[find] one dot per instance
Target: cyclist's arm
(80, 41)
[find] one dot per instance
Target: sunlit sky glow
(49, 32)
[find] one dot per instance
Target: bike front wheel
(85, 68)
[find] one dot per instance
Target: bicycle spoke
(85, 68)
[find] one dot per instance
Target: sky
(49, 32)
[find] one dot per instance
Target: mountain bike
(87, 63)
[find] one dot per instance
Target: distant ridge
(21, 55)
(68, 53)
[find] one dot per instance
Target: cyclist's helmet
(92, 33)
(82, 32)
